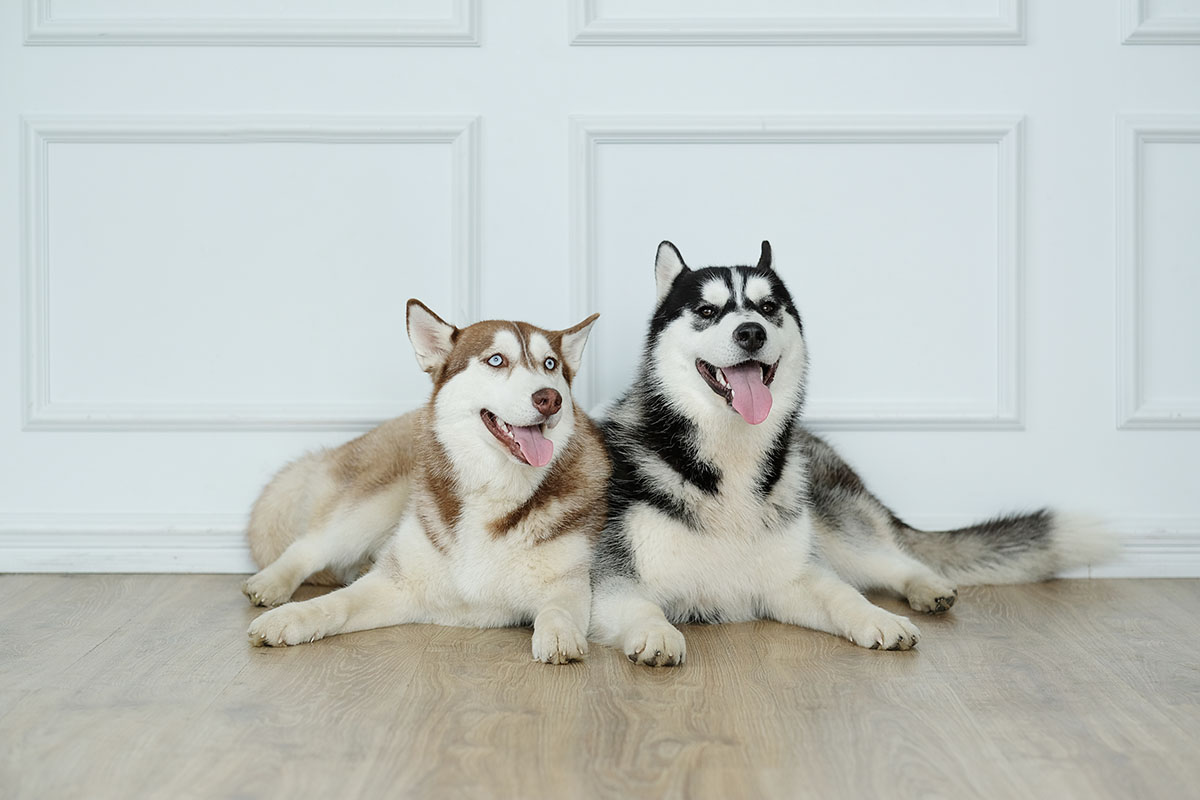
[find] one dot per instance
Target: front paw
(656, 644)
(557, 639)
(263, 590)
(882, 630)
(287, 625)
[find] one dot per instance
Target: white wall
(988, 210)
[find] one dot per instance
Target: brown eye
(706, 311)
(768, 308)
(496, 360)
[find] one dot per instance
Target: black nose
(750, 336)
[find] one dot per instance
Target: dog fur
(480, 509)
(723, 508)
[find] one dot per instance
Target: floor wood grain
(145, 686)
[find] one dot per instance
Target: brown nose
(548, 401)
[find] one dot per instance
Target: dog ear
(764, 260)
(573, 340)
(667, 266)
(431, 336)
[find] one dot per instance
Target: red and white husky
(478, 510)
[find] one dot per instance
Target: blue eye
(550, 363)
(496, 360)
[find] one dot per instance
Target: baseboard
(1162, 547)
(1155, 549)
(124, 543)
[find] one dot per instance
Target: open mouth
(745, 386)
(527, 443)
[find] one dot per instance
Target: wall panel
(203, 272)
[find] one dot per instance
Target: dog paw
(931, 598)
(558, 640)
(263, 590)
(657, 644)
(883, 630)
(288, 625)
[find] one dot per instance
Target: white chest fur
(716, 573)
(482, 579)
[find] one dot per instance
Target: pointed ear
(667, 266)
(764, 260)
(573, 340)
(431, 336)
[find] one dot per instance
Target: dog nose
(750, 336)
(547, 401)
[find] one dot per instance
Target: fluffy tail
(1013, 549)
(282, 511)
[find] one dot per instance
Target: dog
(479, 510)
(722, 507)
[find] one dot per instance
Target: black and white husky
(723, 508)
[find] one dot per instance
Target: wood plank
(120, 686)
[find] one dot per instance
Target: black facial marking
(686, 297)
(779, 297)
(702, 320)
(768, 308)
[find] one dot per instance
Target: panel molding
(588, 27)
(41, 412)
(1134, 132)
(461, 28)
(588, 133)
(1138, 26)
(1152, 547)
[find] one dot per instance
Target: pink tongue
(536, 448)
(751, 397)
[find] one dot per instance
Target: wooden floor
(145, 686)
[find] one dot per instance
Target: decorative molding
(40, 412)
(1155, 547)
(1134, 132)
(1004, 132)
(1152, 547)
(1138, 26)
(460, 28)
(124, 543)
(588, 27)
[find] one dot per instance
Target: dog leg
(344, 543)
(559, 629)
(820, 600)
(885, 566)
(375, 600)
(624, 616)
(277, 582)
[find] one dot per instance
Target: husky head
(500, 388)
(726, 341)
